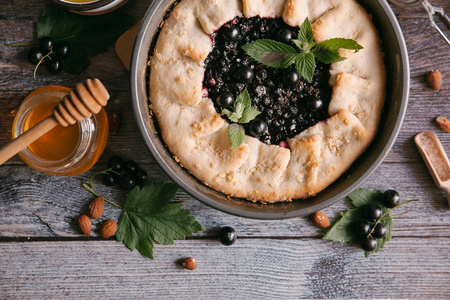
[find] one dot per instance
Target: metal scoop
(431, 10)
(436, 159)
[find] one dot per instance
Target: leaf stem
(94, 193)
(20, 44)
(386, 213)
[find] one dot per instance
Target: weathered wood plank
(37, 205)
(250, 269)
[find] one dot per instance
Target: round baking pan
(397, 65)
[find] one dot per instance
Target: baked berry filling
(287, 102)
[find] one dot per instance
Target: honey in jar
(63, 151)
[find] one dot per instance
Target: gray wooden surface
(43, 255)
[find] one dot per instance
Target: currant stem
(95, 194)
(41, 61)
(101, 172)
(376, 223)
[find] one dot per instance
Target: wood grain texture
(43, 254)
(250, 269)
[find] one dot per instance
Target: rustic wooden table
(43, 254)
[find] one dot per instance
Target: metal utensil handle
(432, 10)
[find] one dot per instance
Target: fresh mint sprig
(279, 55)
(242, 113)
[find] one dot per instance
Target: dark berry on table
(46, 43)
(290, 77)
(230, 33)
(225, 99)
(108, 179)
(379, 231)
(54, 66)
(257, 127)
(61, 50)
(115, 163)
(390, 198)
(362, 228)
(130, 166)
(141, 176)
(368, 244)
(372, 212)
(35, 55)
(227, 235)
(315, 104)
(127, 181)
(245, 74)
(284, 35)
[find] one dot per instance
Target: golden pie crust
(197, 135)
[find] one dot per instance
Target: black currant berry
(368, 244)
(315, 104)
(227, 235)
(54, 66)
(257, 127)
(284, 35)
(35, 55)
(290, 77)
(141, 176)
(362, 228)
(245, 75)
(115, 163)
(130, 166)
(46, 44)
(230, 33)
(390, 198)
(108, 179)
(372, 212)
(127, 181)
(61, 50)
(225, 100)
(379, 231)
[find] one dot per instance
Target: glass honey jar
(63, 151)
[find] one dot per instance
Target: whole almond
(444, 123)
(108, 229)
(189, 263)
(96, 207)
(434, 79)
(85, 225)
(320, 219)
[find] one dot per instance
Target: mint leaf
(362, 197)
(328, 51)
(86, 35)
(236, 134)
(271, 53)
(248, 115)
(149, 217)
(305, 64)
(244, 100)
(243, 112)
(305, 33)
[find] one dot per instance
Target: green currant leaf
(243, 100)
(86, 35)
(236, 134)
(305, 64)
(305, 33)
(149, 217)
(361, 197)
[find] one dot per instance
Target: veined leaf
(305, 33)
(305, 64)
(236, 134)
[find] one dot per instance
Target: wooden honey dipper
(85, 99)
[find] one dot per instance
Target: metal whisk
(431, 10)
